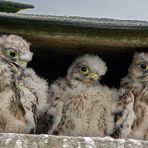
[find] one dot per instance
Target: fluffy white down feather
(82, 110)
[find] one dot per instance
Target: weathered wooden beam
(70, 34)
(10, 6)
(48, 141)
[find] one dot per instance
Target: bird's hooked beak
(91, 79)
(23, 64)
(19, 65)
(93, 76)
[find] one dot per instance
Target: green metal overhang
(70, 34)
(10, 6)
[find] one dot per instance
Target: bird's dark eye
(143, 66)
(84, 70)
(12, 53)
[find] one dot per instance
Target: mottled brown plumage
(22, 93)
(137, 82)
(124, 115)
(81, 106)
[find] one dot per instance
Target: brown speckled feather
(136, 81)
(81, 106)
(21, 90)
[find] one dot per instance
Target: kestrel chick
(20, 88)
(136, 81)
(79, 104)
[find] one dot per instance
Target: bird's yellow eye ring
(84, 70)
(144, 66)
(12, 53)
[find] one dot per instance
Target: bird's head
(138, 69)
(15, 52)
(87, 69)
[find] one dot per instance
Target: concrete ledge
(10, 140)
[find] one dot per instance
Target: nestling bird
(137, 82)
(124, 115)
(22, 92)
(81, 106)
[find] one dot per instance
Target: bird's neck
(75, 83)
(7, 76)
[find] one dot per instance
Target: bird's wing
(124, 115)
(37, 86)
(55, 101)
